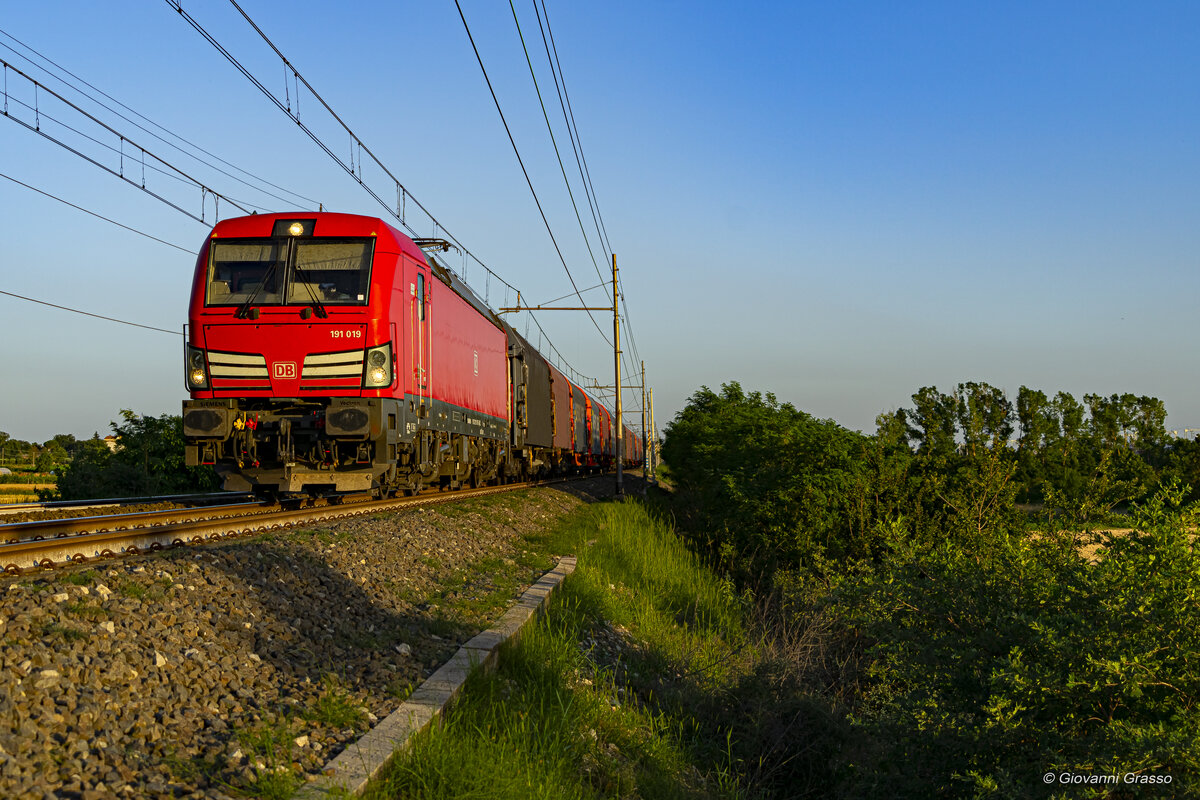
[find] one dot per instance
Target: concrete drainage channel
(355, 766)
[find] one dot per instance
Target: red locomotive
(328, 353)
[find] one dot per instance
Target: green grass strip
(600, 697)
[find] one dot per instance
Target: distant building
(5, 471)
(111, 441)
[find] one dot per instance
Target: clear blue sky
(840, 203)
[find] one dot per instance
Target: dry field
(21, 492)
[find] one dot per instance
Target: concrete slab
(355, 766)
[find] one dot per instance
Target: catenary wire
(580, 158)
(577, 147)
(89, 314)
(553, 141)
(94, 214)
(295, 196)
(564, 99)
(520, 161)
(36, 129)
(172, 174)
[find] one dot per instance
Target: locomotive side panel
(468, 380)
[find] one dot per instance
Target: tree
(1149, 422)
(66, 441)
(1039, 428)
(149, 461)
(934, 418)
(984, 416)
(51, 457)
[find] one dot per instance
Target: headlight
(197, 372)
(378, 372)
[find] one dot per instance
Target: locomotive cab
(292, 357)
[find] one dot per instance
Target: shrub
(772, 485)
(996, 664)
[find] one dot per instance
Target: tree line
(44, 458)
(146, 459)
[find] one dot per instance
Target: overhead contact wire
(94, 214)
(146, 119)
(110, 129)
(553, 141)
(90, 314)
(572, 129)
(525, 171)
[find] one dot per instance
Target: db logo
(284, 369)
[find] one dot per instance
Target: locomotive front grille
(238, 370)
(333, 370)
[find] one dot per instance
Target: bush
(773, 486)
(996, 664)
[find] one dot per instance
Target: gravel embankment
(200, 672)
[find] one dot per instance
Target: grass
(134, 590)
(81, 609)
(599, 697)
(269, 744)
(65, 632)
(271, 774)
(84, 578)
(337, 707)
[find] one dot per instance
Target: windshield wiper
(244, 309)
(317, 305)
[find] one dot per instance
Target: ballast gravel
(215, 672)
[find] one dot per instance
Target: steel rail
(62, 549)
(76, 526)
(105, 502)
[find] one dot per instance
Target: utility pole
(653, 444)
(616, 312)
(617, 383)
(645, 451)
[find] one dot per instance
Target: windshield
(308, 271)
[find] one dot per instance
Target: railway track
(208, 668)
(68, 506)
(45, 544)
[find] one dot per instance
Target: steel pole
(645, 452)
(617, 370)
(653, 443)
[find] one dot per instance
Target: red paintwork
(560, 390)
(460, 335)
(454, 331)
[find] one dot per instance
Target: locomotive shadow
(315, 622)
(312, 619)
